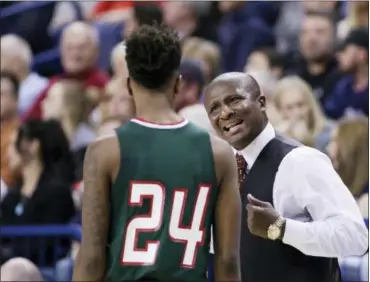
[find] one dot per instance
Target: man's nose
(226, 112)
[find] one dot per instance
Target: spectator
(120, 102)
(298, 107)
(68, 103)
(192, 85)
(40, 150)
(349, 151)
(350, 95)
(189, 19)
(79, 51)
(358, 17)
(206, 52)
(198, 115)
(141, 13)
(317, 47)
(118, 61)
(9, 122)
(267, 84)
(16, 57)
(20, 269)
(265, 60)
(236, 23)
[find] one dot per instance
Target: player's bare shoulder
(105, 151)
(223, 155)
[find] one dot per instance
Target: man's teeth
(228, 127)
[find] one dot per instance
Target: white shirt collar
(251, 152)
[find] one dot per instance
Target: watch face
(273, 232)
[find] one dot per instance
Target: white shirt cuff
(295, 232)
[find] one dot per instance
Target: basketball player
(153, 190)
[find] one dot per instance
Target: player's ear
(129, 89)
(177, 84)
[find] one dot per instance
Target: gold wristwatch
(275, 230)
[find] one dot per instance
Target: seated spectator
(239, 21)
(20, 269)
(9, 122)
(79, 54)
(16, 58)
(189, 18)
(40, 151)
(349, 151)
(118, 61)
(267, 83)
(198, 115)
(350, 96)
(68, 103)
(120, 102)
(301, 113)
(206, 52)
(265, 60)
(191, 85)
(141, 13)
(317, 61)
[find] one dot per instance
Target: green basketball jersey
(162, 203)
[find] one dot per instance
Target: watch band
(279, 222)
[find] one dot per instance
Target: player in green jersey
(154, 188)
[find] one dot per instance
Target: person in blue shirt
(350, 96)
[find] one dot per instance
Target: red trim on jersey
(143, 120)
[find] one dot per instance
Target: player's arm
(228, 215)
(91, 259)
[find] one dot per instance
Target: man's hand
(260, 216)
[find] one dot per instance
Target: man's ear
(262, 102)
(129, 89)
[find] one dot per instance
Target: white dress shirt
(29, 90)
(322, 217)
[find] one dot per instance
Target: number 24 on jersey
(191, 236)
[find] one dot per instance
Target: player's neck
(156, 110)
(159, 116)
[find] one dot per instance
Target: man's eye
(234, 99)
(214, 108)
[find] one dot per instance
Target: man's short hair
(153, 55)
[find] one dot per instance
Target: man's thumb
(254, 201)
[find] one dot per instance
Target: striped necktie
(242, 169)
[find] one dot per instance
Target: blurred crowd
(311, 59)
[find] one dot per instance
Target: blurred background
(63, 74)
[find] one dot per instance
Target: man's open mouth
(231, 125)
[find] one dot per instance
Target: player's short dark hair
(14, 81)
(153, 55)
(147, 13)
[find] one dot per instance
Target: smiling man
(299, 215)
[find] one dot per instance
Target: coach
(299, 216)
